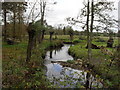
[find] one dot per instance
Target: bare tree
(4, 7)
(31, 34)
(88, 33)
(35, 27)
(42, 10)
(99, 14)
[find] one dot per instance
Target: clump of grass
(100, 40)
(70, 61)
(82, 38)
(76, 41)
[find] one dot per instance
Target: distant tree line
(14, 26)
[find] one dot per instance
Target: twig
(31, 12)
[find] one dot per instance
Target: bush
(76, 41)
(71, 61)
(81, 38)
(100, 40)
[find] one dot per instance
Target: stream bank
(100, 65)
(62, 73)
(18, 74)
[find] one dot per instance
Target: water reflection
(59, 54)
(56, 72)
(71, 77)
(50, 54)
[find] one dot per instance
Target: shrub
(81, 38)
(71, 61)
(100, 40)
(76, 41)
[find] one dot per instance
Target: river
(65, 77)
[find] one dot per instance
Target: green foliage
(37, 26)
(76, 41)
(100, 61)
(82, 38)
(70, 61)
(18, 74)
(100, 40)
(109, 83)
(15, 69)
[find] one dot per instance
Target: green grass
(64, 37)
(100, 61)
(23, 44)
(18, 74)
(13, 64)
(71, 61)
(79, 51)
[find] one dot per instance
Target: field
(16, 73)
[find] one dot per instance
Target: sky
(64, 9)
(57, 14)
(68, 8)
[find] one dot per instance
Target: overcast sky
(64, 9)
(57, 14)
(68, 8)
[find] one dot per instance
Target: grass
(62, 37)
(79, 51)
(101, 62)
(18, 74)
(70, 61)
(13, 70)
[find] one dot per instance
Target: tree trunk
(35, 41)
(87, 80)
(51, 34)
(71, 38)
(19, 18)
(64, 31)
(5, 25)
(29, 49)
(88, 33)
(42, 10)
(14, 22)
(39, 37)
(43, 32)
(51, 54)
(50, 37)
(31, 34)
(30, 44)
(91, 30)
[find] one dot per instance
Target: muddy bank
(68, 42)
(76, 64)
(66, 64)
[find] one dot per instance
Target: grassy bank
(100, 61)
(18, 74)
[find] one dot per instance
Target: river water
(65, 77)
